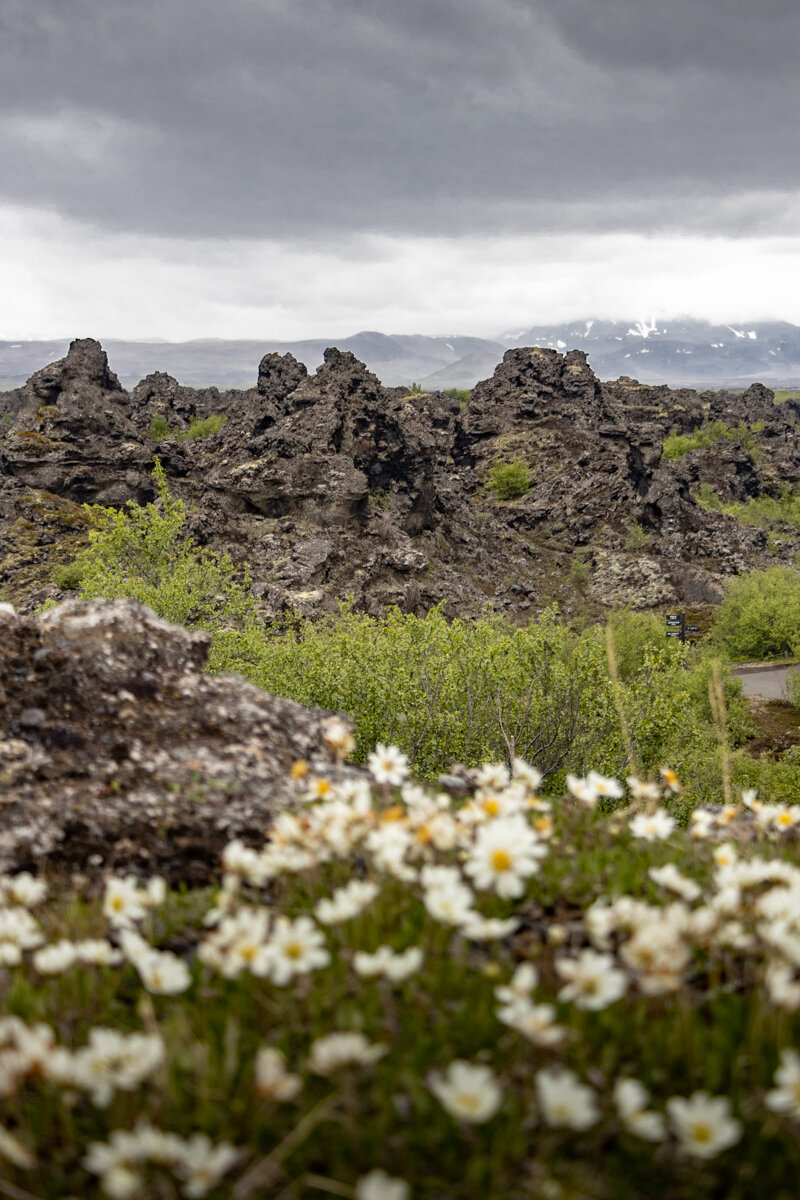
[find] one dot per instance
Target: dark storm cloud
(284, 118)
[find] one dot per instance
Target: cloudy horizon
(181, 169)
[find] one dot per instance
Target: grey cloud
(259, 118)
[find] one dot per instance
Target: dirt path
(768, 681)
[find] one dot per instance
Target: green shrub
(160, 428)
(509, 480)
(678, 444)
(792, 687)
(464, 691)
(207, 427)
(68, 576)
(143, 552)
(637, 538)
(759, 617)
(462, 395)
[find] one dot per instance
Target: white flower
(380, 1186)
(782, 986)
(652, 827)
(238, 943)
(14, 1152)
(394, 967)
(669, 780)
(347, 902)
(114, 1061)
(493, 776)
(703, 1124)
(337, 1050)
(583, 791)
(18, 932)
(701, 823)
(120, 1182)
(163, 973)
(53, 959)
(526, 774)
(98, 952)
(725, 855)
(389, 765)
(295, 948)
(785, 1098)
(564, 1100)
(604, 786)
(271, 1079)
(521, 986)
(336, 734)
(122, 903)
(670, 877)
(484, 929)
(536, 1022)
(642, 790)
(239, 859)
(593, 980)
(202, 1165)
(505, 854)
(631, 1098)
(155, 893)
(450, 903)
(23, 889)
(469, 1091)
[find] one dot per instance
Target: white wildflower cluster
(465, 873)
(194, 1161)
(110, 1062)
(536, 1022)
(413, 841)
(126, 901)
(270, 947)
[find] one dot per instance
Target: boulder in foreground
(116, 751)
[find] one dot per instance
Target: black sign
(676, 626)
(692, 628)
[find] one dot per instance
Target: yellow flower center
(467, 1102)
(294, 950)
(501, 860)
(423, 835)
(701, 1132)
(299, 769)
(491, 806)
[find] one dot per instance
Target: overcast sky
(296, 168)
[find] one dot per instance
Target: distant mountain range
(683, 352)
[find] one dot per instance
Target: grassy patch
(678, 444)
(768, 512)
(207, 427)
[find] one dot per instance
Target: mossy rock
(34, 444)
(49, 532)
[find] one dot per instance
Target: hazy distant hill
(680, 352)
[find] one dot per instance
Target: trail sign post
(676, 626)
